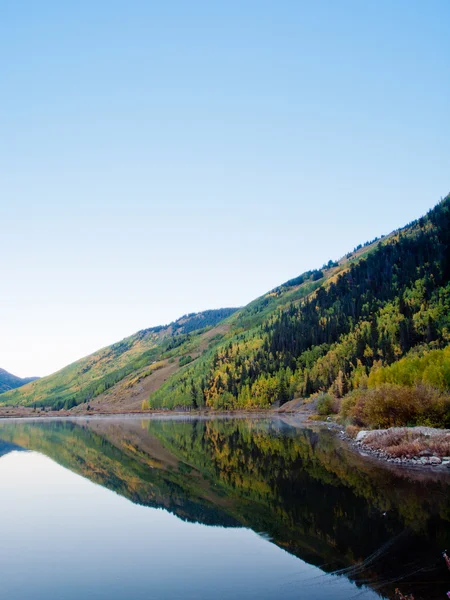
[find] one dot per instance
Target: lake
(224, 508)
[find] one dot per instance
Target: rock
(361, 435)
(435, 460)
(445, 463)
(424, 460)
(425, 453)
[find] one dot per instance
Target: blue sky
(159, 158)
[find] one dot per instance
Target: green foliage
(326, 404)
(433, 368)
(185, 360)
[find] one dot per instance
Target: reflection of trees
(302, 488)
(316, 498)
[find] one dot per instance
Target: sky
(160, 158)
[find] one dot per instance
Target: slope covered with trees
(331, 330)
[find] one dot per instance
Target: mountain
(379, 316)
(347, 335)
(154, 352)
(10, 382)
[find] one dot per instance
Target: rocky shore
(412, 446)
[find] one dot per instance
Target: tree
(194, 394)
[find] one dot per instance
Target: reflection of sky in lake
(65, 538)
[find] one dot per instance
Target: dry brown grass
(352, 431)
(408, 443)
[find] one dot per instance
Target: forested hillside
(140, 354)
(331, 330)
(10, 382)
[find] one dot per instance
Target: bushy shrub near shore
(326, 404)
(391, 405)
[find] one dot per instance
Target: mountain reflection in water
(300, 488)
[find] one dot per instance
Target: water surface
(212, 508)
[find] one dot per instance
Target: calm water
(201, 509)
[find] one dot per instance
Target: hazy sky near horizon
(159, 158)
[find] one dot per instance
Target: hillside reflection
(301, 488)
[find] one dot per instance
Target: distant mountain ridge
(11, 382)
(194, 321)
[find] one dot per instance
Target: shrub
(393, 405)
(326, 405)
(224, 401)
(185, 360)
(348, 405)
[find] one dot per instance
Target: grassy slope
(131, 391)
(138, 354)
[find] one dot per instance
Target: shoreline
(425, 460)
(20, 414)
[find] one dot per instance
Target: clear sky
(158, 158)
